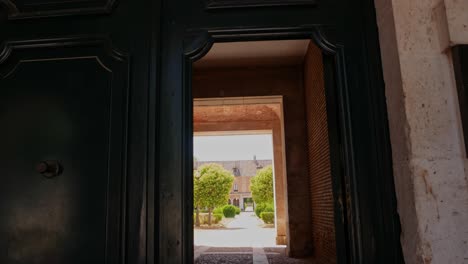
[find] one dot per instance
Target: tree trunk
(209, 216)
(197, 217)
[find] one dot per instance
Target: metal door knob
(49, 168)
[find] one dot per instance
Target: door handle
(49, 168)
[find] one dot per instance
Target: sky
(232, 147)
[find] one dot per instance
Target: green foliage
(259, 209)
(217, 218)
(261, 186)
(211, 186)
(264, 207)
(229, 211)
(237, 210)
(269, 208)
(204, 218)
(268, 217)
(218, 210)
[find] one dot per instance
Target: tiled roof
(244, 167)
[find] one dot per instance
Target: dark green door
(365, 215)
(101, 87)
(74, 84)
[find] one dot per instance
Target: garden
(212, 184)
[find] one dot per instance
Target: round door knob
(49, 168)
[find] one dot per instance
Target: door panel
(21, 9)
(66, 102)
(75, 87)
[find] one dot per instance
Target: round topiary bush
(268, 217)
(238, 210)
(229, 211)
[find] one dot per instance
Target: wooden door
(365, 215)
(102, 87)
(74, 85)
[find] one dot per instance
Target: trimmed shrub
(218, 210)
(229, 211)
(259, 209)
(216, 218)
(268, 217)
(269, 208)
(264, 207)
(237, 210)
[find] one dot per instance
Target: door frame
(347, 225)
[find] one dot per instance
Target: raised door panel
(62, 100)
(221, 4)
(18, 9)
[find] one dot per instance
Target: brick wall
(264, 81)
(323, 229)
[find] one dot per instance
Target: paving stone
(225, 259)
(279, 259)
(230, 249)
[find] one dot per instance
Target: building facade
(243, 171)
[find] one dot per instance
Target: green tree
(196, 196)
(261, 186)
(212, 186)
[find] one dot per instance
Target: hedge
(238, 210)
(264, 207)
(268, 217)
(215, 218)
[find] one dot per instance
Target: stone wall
(429, 159)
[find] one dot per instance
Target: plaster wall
(429, 160)
(457, 20)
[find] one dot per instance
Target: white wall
(425, 128)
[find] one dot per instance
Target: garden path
(246, 230)
(244, 240)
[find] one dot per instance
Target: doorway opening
(245, 136)
(246, 219)
(277, 86)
